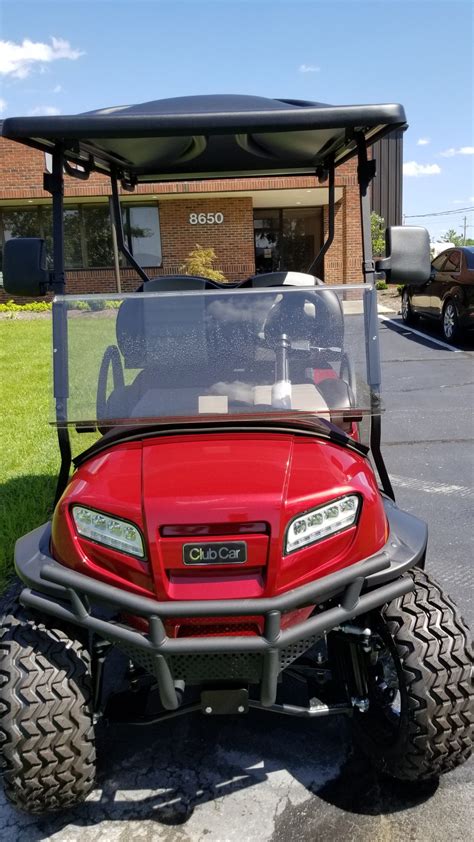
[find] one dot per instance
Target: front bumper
(72, 597)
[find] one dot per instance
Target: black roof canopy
(209, 136)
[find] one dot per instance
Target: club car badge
(226, 552)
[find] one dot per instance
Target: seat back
(278, 279)
(168, 332)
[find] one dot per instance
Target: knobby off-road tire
(46, 728)
(432, 655)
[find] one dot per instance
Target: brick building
(254, 224)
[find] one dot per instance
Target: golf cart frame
(77, 166)
(345, 132)
(332, 594)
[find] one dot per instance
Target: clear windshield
(271, 353)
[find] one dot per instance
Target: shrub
(400, 288)
(45, 306)
(74, 304)
(30, 307)
(381, 285)
(96, 304)
(199, 262)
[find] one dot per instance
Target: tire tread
(432, 642)
(46, 728)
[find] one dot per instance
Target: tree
(452, 237)
(377, 230)
(199, 262)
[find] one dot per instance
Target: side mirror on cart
(408, 258)
(24, 271)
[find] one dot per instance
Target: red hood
(220, 483)
(270, 478)
(207, 479)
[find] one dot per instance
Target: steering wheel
(347, 373)
(112, 359)
(323, 330)
(286, 317)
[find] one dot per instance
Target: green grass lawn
(29, 453)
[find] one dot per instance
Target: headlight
(322, 522)
(111, 531)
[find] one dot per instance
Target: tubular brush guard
(355, 590)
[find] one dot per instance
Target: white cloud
(309, 68)
(3, 105)
(412, 168)
(57, 89)
(44, 111)
(463, 150)
(17, 60)
(423, 141)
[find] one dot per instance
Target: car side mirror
(24, 271)
(408, 258)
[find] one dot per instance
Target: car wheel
(408, 316)
(450, 322)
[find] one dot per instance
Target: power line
(439, 213)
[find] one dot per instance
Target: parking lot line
(423, 335)
(432, 487)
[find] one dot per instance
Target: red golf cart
(232, 528)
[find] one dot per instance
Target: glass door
(287, 238)
(266, 226)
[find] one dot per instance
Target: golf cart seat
(154, 338)
(176, 283)
(182, 352)
(277, 279)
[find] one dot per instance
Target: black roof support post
(118, 225)
(365, 173)
(54, 184)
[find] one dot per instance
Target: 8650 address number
(206, 218)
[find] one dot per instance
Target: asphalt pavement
(265, 777)
(428, 434)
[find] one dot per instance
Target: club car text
(234, 552)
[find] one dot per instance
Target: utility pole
(464, 232)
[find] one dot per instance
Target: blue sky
(110, 52)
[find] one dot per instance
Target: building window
(142, 233)
(97, 236)
(87, 233)
(286, 238)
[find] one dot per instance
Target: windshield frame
(54, 184)
(364, 333)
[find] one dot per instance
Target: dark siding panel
(387, 185)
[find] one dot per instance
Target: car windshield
(269, 353)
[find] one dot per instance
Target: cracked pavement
(262, 777)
